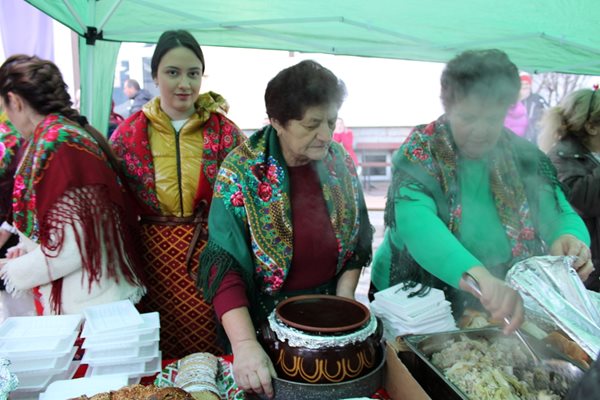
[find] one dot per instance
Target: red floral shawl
(10, 143)
(131, 144)
(65, 179)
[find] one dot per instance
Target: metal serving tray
(431, 378)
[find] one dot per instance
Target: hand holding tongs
(474, 285)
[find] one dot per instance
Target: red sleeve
(231, 294)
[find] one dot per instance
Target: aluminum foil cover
(298, 338)
(550, 285)
(8, 381)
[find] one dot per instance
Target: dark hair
(170, 40)
(132, 83)
(298, 87)
(486, 73)
(40, 83)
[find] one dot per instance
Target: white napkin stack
(402, 315)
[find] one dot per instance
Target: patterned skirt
(187, 323)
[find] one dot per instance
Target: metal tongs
(474, 285)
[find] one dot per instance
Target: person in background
(10, 143)
(136, 95)
(345, 137)
(516, 119)
(574, 126)
(288, 217)
(171, 151)
(468, 196)
(70, 210)
(114, 119)
(535, 106)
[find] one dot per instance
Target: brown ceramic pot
(326, 317)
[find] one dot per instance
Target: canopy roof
(538, 35)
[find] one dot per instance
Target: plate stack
(403, 315)
(40, 350)
(120, 340)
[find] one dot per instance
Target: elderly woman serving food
(288, 216)
(468, 196)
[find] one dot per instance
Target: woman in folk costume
(288, 217)
(469, 196)
(68, 206)
(172, 150)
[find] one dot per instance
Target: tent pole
(91, 52)
(109, 14)
(75, 15)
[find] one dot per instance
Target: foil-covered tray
(424, 370)
(549, 285)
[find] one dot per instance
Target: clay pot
(333, 320)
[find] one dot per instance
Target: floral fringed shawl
(250, 224)
(64, 179)
(427, 162)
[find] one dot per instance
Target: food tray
(433, 380)
(150, 324)
(21, 329)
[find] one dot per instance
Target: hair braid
(40, 83)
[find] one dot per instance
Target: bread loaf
(141, 392)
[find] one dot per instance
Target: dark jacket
(535, 105)
(579, 172)
(140, 98)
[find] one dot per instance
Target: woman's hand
(252, 368)
(16, 251)
(569, 245)
(500, 300)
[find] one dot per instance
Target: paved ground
(375, 199)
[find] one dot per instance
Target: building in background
(386, 98)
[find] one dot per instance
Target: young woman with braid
(68, 204)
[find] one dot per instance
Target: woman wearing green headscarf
(469, 196)
(288, 217)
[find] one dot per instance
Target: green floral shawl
(427, 161)
(250, 225)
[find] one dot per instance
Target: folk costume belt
(199, 220)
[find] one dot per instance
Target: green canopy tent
(538, 35)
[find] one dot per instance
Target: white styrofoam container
(132, 370)
(38, 383)
(36, 364)
(102, 358)
(151, 322)
(112, 317)
(67, 389)
(20, 329)
(35, 379)
(37, 347)
(127, 340)
(123, 349)
(43, 326)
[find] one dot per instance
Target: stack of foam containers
(40, 350)
(120, 340)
